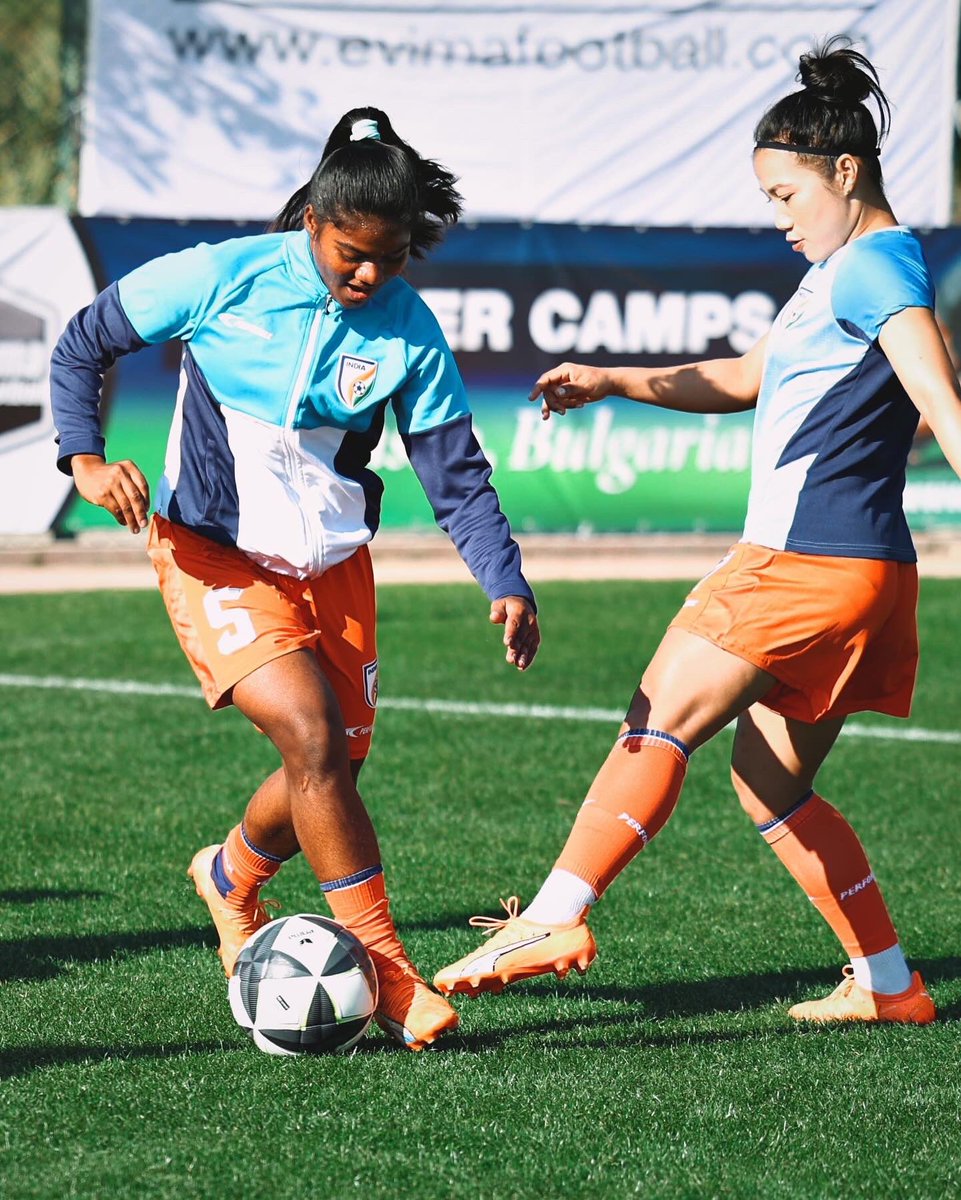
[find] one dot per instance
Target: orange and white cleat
(518, 949)
(407, 1009)
(851, 1002)
(234, 923)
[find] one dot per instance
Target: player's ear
(847, 171)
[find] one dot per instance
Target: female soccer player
(294, 343)
(812, 615)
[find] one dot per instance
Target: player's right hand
(119, 487)
(522, 635)
(569, 386)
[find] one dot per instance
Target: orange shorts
(232, 616)
(838, 634)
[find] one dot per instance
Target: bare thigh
(692, 689)
(775, 760)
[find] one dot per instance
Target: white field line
(456, 708)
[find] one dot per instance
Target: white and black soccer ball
(303, 985)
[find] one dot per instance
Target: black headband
(819, 150)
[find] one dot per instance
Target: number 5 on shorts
(238, 627)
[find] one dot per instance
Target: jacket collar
(304, 272)
(303, 268)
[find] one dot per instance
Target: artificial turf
(670, 1070)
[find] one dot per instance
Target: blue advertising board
(514, 300)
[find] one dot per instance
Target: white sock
(562, 899)
(887, 972)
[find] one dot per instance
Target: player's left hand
(521, 633)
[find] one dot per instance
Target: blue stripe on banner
(657, 733)
(768, 825)
(335, 885)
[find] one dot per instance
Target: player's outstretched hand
(119, 487)
(569, 386)
(521, 633)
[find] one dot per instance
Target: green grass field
(670, 1070)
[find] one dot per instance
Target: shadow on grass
(37, 895)
(45, 957)
(676, 1000)
(26, 1059)
(607, 1033)
(626, 1032)
(602, 1019)
(736, 993)
(625, 1029)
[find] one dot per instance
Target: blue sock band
(346, 881)
(257, 850)
(769, 825)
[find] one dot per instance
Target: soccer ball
(303, 985)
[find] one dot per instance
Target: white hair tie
(365, 128)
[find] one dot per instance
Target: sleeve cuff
(513, 587)
(68, 450)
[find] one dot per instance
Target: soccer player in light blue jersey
(812, 615)
(295, 343)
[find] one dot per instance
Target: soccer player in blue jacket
(295, 343)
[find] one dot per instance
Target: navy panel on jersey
(834, 425)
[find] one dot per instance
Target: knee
(766, 800)
(743, 790)
(313, 752)
(759, 810)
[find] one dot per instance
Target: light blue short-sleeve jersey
(834, 425)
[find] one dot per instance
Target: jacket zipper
(313, 533)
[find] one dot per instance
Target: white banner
(563, 111)
(44, 279)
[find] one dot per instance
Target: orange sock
(629, 801)
(359, 902)
(824, 855)
(239, 868)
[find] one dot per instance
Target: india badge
(355, 378)
(370, 683)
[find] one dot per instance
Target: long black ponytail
(829, 115)
(367, 170)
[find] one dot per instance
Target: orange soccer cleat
(518, 949)
(407, 1009)
(234, 923)
(851, 1002)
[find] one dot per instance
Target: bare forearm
(714, 386)
(943, 415)
(912, 342)
(719, 385)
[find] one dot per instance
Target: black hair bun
(836, 73)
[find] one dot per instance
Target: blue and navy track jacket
(282, 398)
